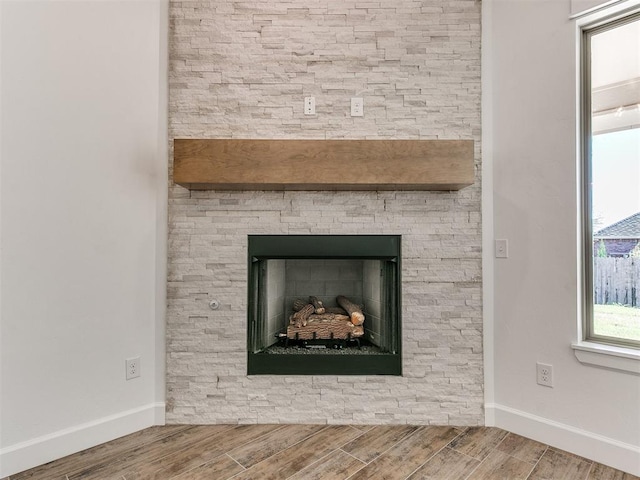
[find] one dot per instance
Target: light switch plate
(502, 248)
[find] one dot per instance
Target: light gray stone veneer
(241, 69)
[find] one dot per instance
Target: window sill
(608, 356)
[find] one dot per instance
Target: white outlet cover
(544, 374)
(309, 105)
(133, 367)
(357, 107)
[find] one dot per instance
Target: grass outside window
(619, 321)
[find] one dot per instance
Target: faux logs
(328, 316)
(338, 310)
(317, 304)
(315, 301)
(337, 328)
(299, 304)
(354, 311)
(301, 317)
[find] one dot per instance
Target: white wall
(580, 7)
(83, 223)
(590, 411)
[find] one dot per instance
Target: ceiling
(615, 79)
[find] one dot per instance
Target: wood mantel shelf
(236, 164)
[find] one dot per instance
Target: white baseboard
(592, 446)
(29, 454)
(159, 414)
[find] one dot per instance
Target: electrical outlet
(357, 107)
(309, 105)
(133, 367)
(545, 374)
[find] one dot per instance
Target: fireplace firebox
(324, 305)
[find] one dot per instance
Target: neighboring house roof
(626, 228)
(616, 247)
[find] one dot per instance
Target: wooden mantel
(236, 164)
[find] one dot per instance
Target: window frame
(587, 31)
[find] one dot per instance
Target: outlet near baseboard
(133, 367)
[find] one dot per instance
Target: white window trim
(606, 6)
(612, 357)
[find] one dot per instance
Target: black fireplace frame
(379, 247)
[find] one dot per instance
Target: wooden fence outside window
(616, 281)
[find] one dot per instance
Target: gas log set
(311, 320)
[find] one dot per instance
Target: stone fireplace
(441, 338)
(242, 70)
(363, 270)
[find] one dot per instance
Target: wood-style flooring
(321, 452)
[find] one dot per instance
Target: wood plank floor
(322, 452)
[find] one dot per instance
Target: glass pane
(615, 175)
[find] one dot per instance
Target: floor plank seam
(476, 467)
(276, 453)
(195, 452)
(518, 458)
(401, 439)
(235, 475)
(354, 473)
(455, 438)
(253, 440)
(530, 471)
(357, 471)
(227, 454)
(109, 458)
(178, 451)
(364, 464)
(536, 464)
(289, 446)
(361, 433)
(427, 461)
(312, 464)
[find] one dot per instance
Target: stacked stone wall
(241, 70)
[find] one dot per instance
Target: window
(611, 181)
